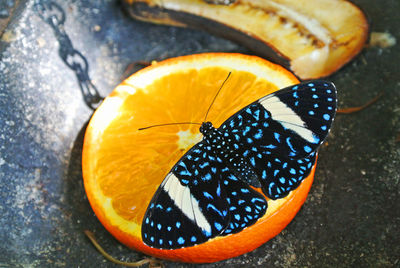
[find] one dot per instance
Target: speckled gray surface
(352, 215)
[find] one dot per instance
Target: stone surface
(352, 215)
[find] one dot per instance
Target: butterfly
(270, 144)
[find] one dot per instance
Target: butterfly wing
(196, 202)
(279, 134)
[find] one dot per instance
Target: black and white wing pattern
(198, 200)
(279, 134)
(270, 143)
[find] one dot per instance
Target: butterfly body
(270, 144)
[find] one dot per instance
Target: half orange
(123, 166)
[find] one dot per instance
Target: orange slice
(123, 166)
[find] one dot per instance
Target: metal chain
(54, 15)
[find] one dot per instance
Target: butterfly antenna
(170, 124)
(226, 79)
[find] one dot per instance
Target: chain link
(54, 15)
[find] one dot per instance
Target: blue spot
(237, 217)
(241, 201)
(249, 140)
(313, 89)
(178, 224)
(185, 182)
(245, 153)
(195, 182)
(248, 209)
(244, 190)
(329, 108)
(207, 177)
(246, 130)
(282, 180)
(276, 135)
(295, 87)
(252, 161)
(219, 190)
(258, 135)
(225, 182)
(329, 99)
(169, 209)
(311, 113)
(218, 226)
(207, 195)
(152, 205)
(185, 173)
(256, 114)
(152, 239)
(315, 96)
(265, 124)
(327, 116)
(147, 220)
(159, 226)
(145, 235)
(264, 174)
(160, 241)
(181, 240)
(193, 239)
(310, 84)
(276, 171)
(236, 146)
(316, 105)
(232, 208)
(307, 149)
(215, 209)
(233, 178)
(256, 199)
(296, 103)
(284, 165)
(328, 91)
(169, 228)
(170, 242)
(323, 127)
(214, 170)
(292, 171)
(234, 193)
(151, 223)
(205, 164)
(290, 144)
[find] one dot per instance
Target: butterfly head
(206, 128)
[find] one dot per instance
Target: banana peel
(314, 38)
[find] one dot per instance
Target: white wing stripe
(185, 202)
(277, 108)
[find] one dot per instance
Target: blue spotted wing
(199, 199)
(279, 134)
(270, 143)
